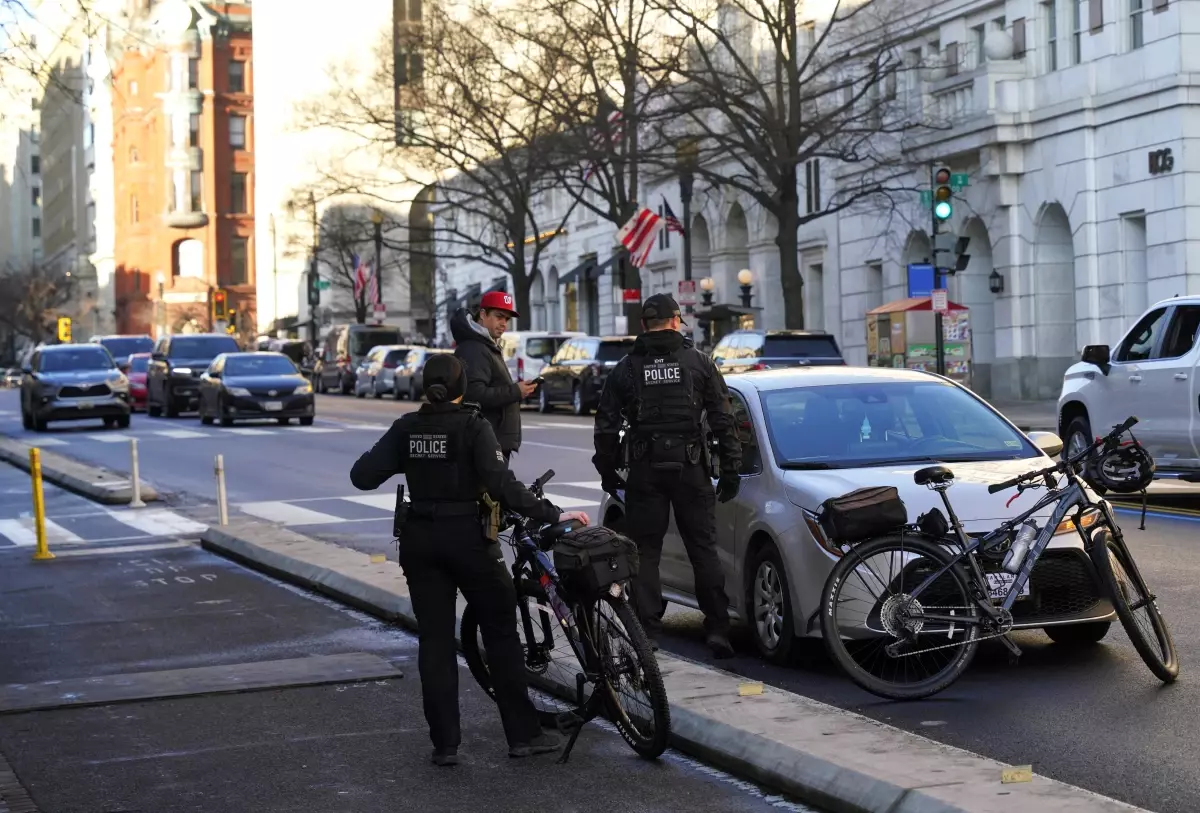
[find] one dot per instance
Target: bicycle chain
(1001, 634)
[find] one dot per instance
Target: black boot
(445, 757)
(718, 643)
(544, 743)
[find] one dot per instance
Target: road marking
(385, 501)
(315, 430)
(46, 442)
(556, 446)
(592, 484)
(124, 549)
(158, 522)
(248, 431)
(285, 513)
(570, 503)
(109, 437)
(561, 425)
(181, 434)
(22, 533)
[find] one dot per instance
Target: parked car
(374, 375)
(255, 386)
(343, 351)
(820, 433)
(577, 372)
(745, 350)
(121, 347)
(137, 368)
(296, 349)
(12, 377)
(408, 379)
(526, 352)
(173, 381)
(1154, 373)
(71, 382)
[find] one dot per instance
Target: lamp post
(745, 279)
(162, 306)
(274, 277)
(686, 156)
(706, 299)
(377, 221)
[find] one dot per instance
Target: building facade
(183, 157)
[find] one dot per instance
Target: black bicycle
(903, 614)
(588, 651)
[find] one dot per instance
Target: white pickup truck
(1153, 373)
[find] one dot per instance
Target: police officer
(451, 459)
(664, 390)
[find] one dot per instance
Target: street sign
(631, 295)
(926, 197)
(687, 292)
(960, 181)
(379, 313)
(324, 285)
(920, 279)
(940, 302)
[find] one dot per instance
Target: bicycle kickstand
(572, 724)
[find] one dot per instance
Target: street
(1094, 718)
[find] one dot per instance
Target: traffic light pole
(939, 338)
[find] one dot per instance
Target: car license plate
(273, 406)
(1000, 583)
(85, 404)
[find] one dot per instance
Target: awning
(588, 269)
(718, 313)
(498, 284)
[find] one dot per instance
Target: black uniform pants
(650, 495)
(439, 561)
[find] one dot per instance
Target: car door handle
(1135, 378)
(1181, 376)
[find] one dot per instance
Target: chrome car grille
(84, 391)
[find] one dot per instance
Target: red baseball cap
(499, 301)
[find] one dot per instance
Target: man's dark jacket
(488, 381)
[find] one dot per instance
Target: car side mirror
(1048, 442)
(158, 356)
(1098, 354)
(27, 370)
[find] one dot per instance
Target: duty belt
(443, 510)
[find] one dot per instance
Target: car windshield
(884, 423)
(361, 341)
(139, 365)
(613, 351)
(259, 365)
(83, 358)
(800, 347)
(543, 347)
(128, 345)
(202, 347)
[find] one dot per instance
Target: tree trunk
(521, 281)
(787, 239)
(360, 312)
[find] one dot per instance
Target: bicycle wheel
(635, 698)
(1139, 613)
(874, 630)
(550, 662)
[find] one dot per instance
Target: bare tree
(767, 93)
(30, 299)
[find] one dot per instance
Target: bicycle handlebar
(1116, 432)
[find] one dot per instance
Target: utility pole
(938, 282)
(314, 293)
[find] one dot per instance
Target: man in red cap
(488, 381)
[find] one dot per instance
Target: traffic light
(942, 193)
(314, 293)
(950, 243)
(64, 329)
(220, 306)
(232, 327)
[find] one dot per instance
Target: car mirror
(27, 370)
(159, 356)
(1098, 354)
(1048, 442)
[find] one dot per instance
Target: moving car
(408, 379)
(254, 386)
(137, 368)
(745, 350)
(344, 349)
(374, 375)
(121, 347)
(72, 382)
(173, 382)
(1153, 373)
(577, 372)
(809, 435)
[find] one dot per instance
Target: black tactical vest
(665, 401)
(441, 469)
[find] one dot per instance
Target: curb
(837, 760)
(94, 482)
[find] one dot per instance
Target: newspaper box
(902, 334)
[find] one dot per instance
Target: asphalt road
(1094, 718)
(358, 743)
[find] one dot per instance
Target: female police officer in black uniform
(451, 458)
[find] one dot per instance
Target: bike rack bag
(862, 514)
(592, 559)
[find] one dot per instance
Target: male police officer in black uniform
(451, 458)
(664, 390)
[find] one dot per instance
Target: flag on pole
(366, 287)
(672, 222)
(638, 236)
(604, 140)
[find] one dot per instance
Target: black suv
(173, 380)
(745, 350)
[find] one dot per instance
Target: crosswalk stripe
(384, 501)
(180, 434)
(47, 442)
(592, 484)
(21, 533)
(560, 425)
(158, 523)
(286, 513)
(109, 437)
(317, 430)
(245, 430)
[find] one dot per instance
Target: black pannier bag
(592, 559)
(863, 514)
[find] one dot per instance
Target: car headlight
(118, 382)
(238, 392)
(818, 535)
(182, 371)
(303, 389)
(1086, 521)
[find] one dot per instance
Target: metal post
(378, 260)
(312, 324)
(222, 506)
(939, 338)
(135, 475)
(41, 552)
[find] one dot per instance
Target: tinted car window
(361, 341)
(613, 351)
(127, 346)
(543, 347)
(201, 347)
(1141, 340)
(83, 358)
(139, 365)
(259, 365)
(800, 347)
(1185, 325)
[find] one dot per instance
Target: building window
(133, 155)
(237, 77)
(135, 214)
(812, 186)
(194, 130)
(133, 87)
(35, 164)
(237, 132)
(238, 258)
(37, 227)
(237, 193)
(37, 196)
(808, 37)
(193, 74)
(1050, 15)
(978, 35)
(1137, 34)
(1077, 17)
(197, 197)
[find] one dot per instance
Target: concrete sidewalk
(836, 760)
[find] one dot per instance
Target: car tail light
(520, 369)
(389, 365)
(761, 366)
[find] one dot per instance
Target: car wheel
(1079, 437)
(170, 407)
(205, 418)
(415, 393)
(153, 408)
(349, 387)
(375, 389)
(110, 423)
(26, 421)
(283, 421)
(306, 420)
(577, 404)
(769, 601)
(225, 419)
(396, 396)
(1086, 634)
(544, 404)
(123, 422)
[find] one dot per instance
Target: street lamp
(706, 291)
(377, 220)
(314, 300)
(745, 279)
(995, 282)
(162, 305)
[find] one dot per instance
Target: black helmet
(1124, 470)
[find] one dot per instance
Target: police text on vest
(430, 447)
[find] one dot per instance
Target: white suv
(1152, 374)
(526, 352)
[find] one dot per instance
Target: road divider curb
(94, 482)
(837, 760)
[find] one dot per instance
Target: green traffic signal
(943, 210)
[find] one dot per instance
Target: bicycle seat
(933, 474)
(558, 530)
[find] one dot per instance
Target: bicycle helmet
(1124, 470)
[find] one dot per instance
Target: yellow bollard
(41, 552)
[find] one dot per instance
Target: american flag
(638, 236)
(605, 139)
(670, 220)
(365, 281)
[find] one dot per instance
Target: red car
(138, 365)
